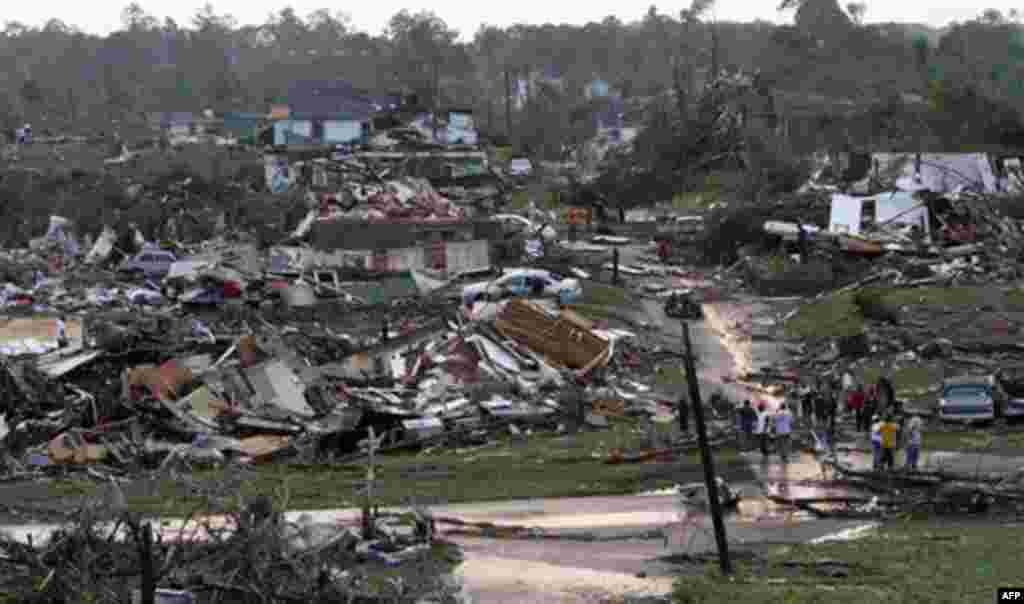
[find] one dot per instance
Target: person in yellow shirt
(889, 430)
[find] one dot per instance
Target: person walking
(876, 442)
(807, 404)
(801, 241)
(820, 408)
(889, 430)
(914, 429)
(761, 428)
(783, 430)
(856, 403)
(748, 423)
(62, 332)
(870, 406)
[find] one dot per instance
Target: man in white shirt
(876, 441)
(761, 428)
(783, 430)
(914, 428)
(62, 333)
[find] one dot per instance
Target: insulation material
(71, 448)
(558, 338)
(163, 382)
(280, 386)
(259, 447)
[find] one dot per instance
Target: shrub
(872, 305)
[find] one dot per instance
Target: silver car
(971, 399)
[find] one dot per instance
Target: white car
(524, 282)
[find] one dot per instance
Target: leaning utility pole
(705, 452)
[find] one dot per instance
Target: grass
(909, 561)
(519, 200)
(833, 317)
(544, 466)
(670, 378)
(838, 315)
(910, 381)
(600, 294)
(693, 202)
(602, 302)
(968, 441)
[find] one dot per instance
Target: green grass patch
(970, 441)
(596, 312)
(519, 200)
(910, 381)
(694, 201)
(600, 294)
(835, 316)
(503, 154)
(670, 378)
(839, 315)
(545, 465)
(906, 561)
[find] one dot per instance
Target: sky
(103, 16)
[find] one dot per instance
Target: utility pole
(705, 452)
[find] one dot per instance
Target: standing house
(324, 113)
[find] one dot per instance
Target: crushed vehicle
(1011, 379)
(681, 305)
(149, 263)
(524, 282)
(971, 399)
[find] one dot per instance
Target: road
(574, 563)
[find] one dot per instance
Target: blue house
(325, 113)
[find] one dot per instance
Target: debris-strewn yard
(916, 560)
(530, 467)
(839, 314)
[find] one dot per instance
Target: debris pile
(225, 351)
(106, 554)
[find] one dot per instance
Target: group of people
(760, 424)
(874, 409)
(886, 436)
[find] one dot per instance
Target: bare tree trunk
(508, 104)
(148, 587)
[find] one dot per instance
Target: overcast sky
(103, 16)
